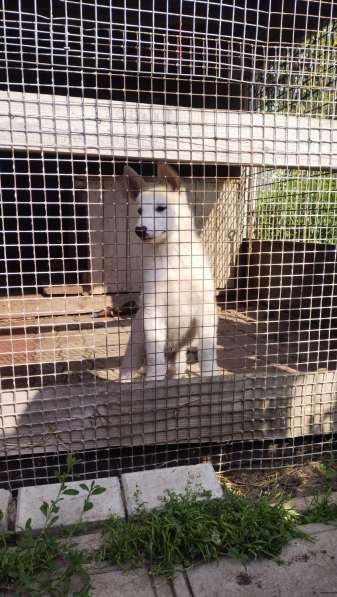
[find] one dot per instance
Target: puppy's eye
(140, 211)
(161, 208)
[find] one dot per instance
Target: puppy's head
(156, 205)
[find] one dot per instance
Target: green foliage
(302, 79)
(297, 205)
(191, 528)
(321, 509)
(44, 564)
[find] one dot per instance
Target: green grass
(290, 89)
(297, 205)
(190, 529)
(300, 205)
(321, 509)
(41, 565)
(47, 564)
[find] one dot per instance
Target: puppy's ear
(134, 181)
(171, 177)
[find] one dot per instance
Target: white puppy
(178, 309)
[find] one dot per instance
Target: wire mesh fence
(212, 279)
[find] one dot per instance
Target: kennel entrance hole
(45, 224)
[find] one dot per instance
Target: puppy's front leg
(155, 327)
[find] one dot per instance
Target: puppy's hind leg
(134, 356)
(180, 362)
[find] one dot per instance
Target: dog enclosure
(240, 98)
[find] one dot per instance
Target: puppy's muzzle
(141, 232)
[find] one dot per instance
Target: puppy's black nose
(141, 232)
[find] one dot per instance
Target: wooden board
(106, 414)
(36, 305)
(65, 290)
(142, 131)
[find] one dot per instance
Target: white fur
(178, 309)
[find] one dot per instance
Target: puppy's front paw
(152, 379)
(125, 377)
(155, 374)
(214, 372)
(184, 375)
(131, 375)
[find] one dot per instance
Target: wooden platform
(60, 389)
(49, 350)
(41, 122)
(106, 414)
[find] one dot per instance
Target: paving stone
(151, 486)
(30, 500)
(300, 504)
(313, 528)
(308, 570)
(117, 583)
(88, 542)
(162, 587)
(5, 500)
(180, 585)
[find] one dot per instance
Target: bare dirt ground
(311, 479)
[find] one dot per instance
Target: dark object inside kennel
(44, 241)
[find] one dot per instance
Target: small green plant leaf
(98, 490)
(84, 487)
(87, 506)
(61, 477)
(44, 508)
(71, 461)
(28, 525)
(70, 491)
(52, 521)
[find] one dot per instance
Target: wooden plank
(130, 130)
(107, 414)
(35, 305)
(65, 290)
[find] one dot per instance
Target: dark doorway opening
(44, 226)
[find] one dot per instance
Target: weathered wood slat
(130, 130)
(36, 305)
(107, 414)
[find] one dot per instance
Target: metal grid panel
(241, 100)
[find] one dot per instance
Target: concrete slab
(88, 542)
(121, 584)
(301, 504)
(162, 587)
(106, 504)
(180, 586)
(309, 570)
(5, 500)
(314, 528)
(150, 487)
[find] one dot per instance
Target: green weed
(194, 527)
(321, 509)
(44, 564)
